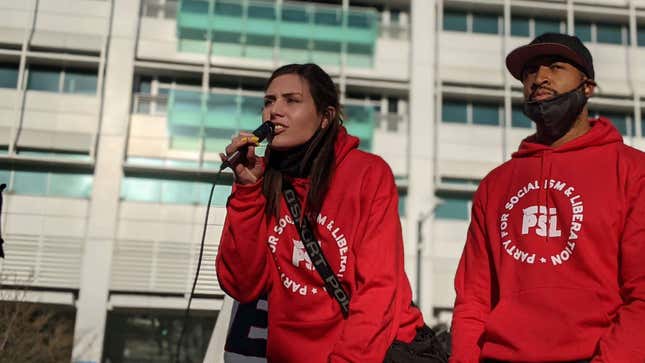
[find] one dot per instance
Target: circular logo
(541, 223)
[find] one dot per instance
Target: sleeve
(242, 261)
(625, 340)
(473, 289)
(372, 324)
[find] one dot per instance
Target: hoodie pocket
(303, 341)
(537, 320)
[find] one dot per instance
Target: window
(519, 119)
(583, 30)
(454, 112)
(478, 113)
(543, 25)
(641, 35)
(154, 190)
(392, 105)
(402, 202)
(53, 184)
(42, 79)
(485, 114)
(485, 23)
(520, 26)
(71, 80)
(454, 207)
(609, 33)
(80, 82)
(455, 21)
(625, 123)
(8, 76)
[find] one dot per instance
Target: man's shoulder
(634, 158)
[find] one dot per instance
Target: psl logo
(300, 254)
(537, 217)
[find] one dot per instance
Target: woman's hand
(249, 167)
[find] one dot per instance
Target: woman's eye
(267, 102)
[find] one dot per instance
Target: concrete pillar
(102, 224)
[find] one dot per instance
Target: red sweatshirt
(554, 263)
(360, 234)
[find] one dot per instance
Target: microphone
(261, 133)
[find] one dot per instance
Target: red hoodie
(360, 234)
(554, 263)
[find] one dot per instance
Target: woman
(350, 200)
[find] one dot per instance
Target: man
(553, 269)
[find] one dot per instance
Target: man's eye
(267, 102)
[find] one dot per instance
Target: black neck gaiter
(291, 162)
(555, 117)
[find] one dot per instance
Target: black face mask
(555, 117)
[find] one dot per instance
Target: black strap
(315, 253)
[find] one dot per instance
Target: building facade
(114, 111)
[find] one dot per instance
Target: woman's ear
(328, 116)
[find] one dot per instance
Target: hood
(344, 144)
(602, 132)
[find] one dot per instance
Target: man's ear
(589, 87)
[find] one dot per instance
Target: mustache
(537, 88)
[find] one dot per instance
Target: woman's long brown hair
(320, 153)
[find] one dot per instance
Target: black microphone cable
(262, 133)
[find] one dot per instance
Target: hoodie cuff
(247, 192)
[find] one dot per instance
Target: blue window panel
(258, 11)
(145, 86)
(177, 192)
(485, 23)
(452, 208)
(294, 43)
(44, 80)
(520, 26)
(583, 30)
(359, 20)
(620, 121)
(8, 76)
(192, 34)
(233, 9)
(485, 114)
(30, 183)
(546, 26)
(609, 33)
(222, 111)
(5, 177)
(454, 112)
(220, 194)
(194, 6)
(133, 160)
(141, 189)
(251, 116)
(519, 119)
(328, 17)
(295, 14)
(455, 20)
(70, 185)
(79, 82)
(186, 143)
(182, 163)
(402, 202)
(641, 36)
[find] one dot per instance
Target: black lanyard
(315, 253)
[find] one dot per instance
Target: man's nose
(542, 75)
